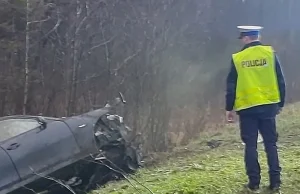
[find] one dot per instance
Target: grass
(197, 168)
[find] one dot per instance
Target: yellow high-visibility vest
(257, 81)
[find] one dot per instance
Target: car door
(8, 173)
(40, 150)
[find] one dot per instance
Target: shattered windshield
(13, 127)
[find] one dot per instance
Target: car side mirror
(42, 122)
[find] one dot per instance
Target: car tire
(130, 165)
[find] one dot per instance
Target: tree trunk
(73, 88)
(26, 68)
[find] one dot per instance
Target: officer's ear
(259, 37)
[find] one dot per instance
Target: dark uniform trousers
(260, 119)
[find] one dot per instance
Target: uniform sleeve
(231, 82)
(281, 82)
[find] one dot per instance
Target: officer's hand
(279, 110)
(230, 116)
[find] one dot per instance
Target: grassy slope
(199, 169)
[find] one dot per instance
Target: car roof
(29, 117)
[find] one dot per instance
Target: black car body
(33, 146)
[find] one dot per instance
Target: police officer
(256, 92)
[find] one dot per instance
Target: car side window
(13, 127)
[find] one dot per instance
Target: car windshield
(13, 127)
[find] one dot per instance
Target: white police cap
(249, 30)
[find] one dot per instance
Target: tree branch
(125, 61)
(101, 44)
(39, 21)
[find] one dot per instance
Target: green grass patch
(198, 168)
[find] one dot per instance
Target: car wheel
(131, 165)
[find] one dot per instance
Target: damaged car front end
(79, 153)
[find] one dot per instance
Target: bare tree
(26, 67)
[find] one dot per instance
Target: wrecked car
(45, 154)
